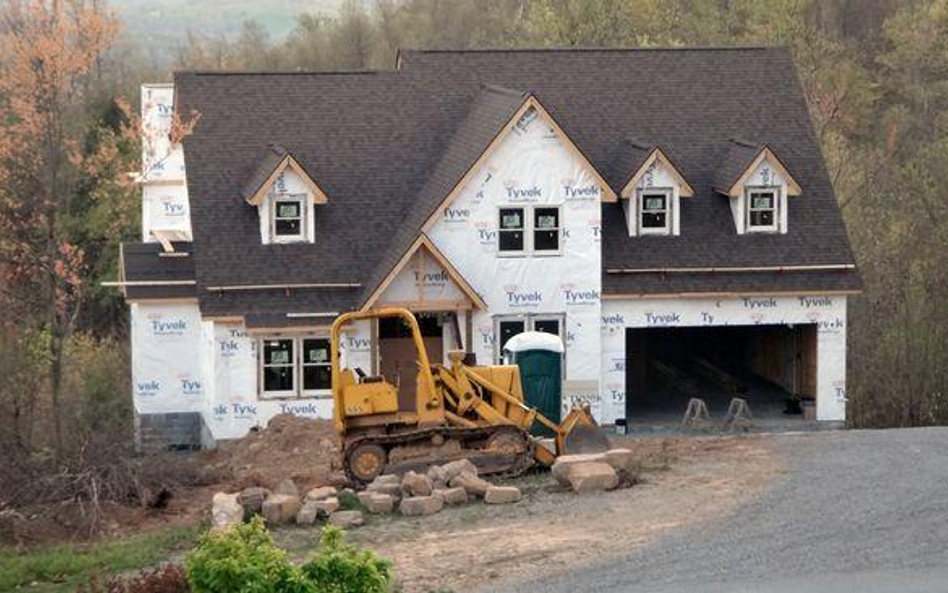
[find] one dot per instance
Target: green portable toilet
(540, 358)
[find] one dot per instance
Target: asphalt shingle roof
(387, 146)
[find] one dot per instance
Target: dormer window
(285, 197)
(289, 218)
(757, 185)
(652, 196)
(762, 213)
(655, 212)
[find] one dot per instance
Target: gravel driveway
(854, 511)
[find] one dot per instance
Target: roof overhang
(657, 155)
(737, 188)
(288, 162)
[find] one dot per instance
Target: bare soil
(685, 481)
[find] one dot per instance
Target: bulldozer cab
(365, 401)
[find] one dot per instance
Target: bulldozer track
(521, 461)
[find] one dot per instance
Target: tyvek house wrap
(532, 166)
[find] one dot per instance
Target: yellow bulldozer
(459, 411)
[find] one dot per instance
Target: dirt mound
(304, 449)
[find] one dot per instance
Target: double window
(529, 229)
(508, 326)
(655, 212)
(289, 219)
(762, 209)
(294, 367)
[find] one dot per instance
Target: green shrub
(341, 568)
(241, 560)
(245, 560)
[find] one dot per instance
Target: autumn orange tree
(55, 156)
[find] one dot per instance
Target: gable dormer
(758, 185)
(285, 196)
(651, 196)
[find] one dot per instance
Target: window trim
(303, 364)
(298, 392)
(528, 320)
(300, 199)
(668, 193)
(262, 366)
(529, 229)
(748, 193)
(525, 247)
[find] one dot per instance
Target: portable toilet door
(540, 358)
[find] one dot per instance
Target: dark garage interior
(772, 367)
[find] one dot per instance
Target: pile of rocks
(595, 472)
(453, 483)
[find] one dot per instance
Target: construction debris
(502, 495)
(226, 511)
(421, 505)
(346, 519)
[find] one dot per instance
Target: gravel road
(854, 511)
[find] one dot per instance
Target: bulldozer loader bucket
(581, 434)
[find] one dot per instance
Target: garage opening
(772, 367)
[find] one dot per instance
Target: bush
(341, 568)
(245, 560)
(242, 559)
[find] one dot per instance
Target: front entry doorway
(398, 360)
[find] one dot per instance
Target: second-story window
(523, 230)
(546, 230)
(761, 210)
(655, 212)
(510, 232)
(288, 218)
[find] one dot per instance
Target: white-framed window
(524, 230)
(546, 229)
(510, 230)
(316, 368)
(762, 211)
(288, 218)
(655, 212)
(278, 367)
(508, 326)
(294, 366)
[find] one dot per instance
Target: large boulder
(456, 468)
(502, 494)
(564, 463)
(280, 508)
(452, 496)
(346, 519)
(421, 505)
(308, 513)
(437, 475)
(386, 484)
(592, 476)
(321, 493)
(226, 511)
(377, 502)
(414, 484)
(473, 485)
(252, 499)
(621, 460)
(326, 506)
(288, 488)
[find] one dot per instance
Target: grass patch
(63, 567)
